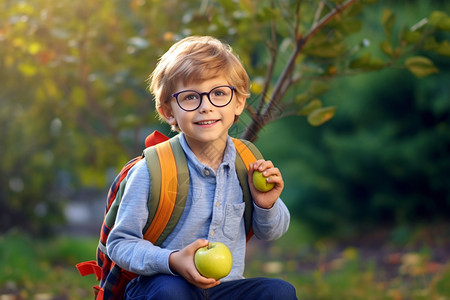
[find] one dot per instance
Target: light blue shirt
(214, 211)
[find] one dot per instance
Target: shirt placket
(217, 211)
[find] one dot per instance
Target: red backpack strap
(90, 267)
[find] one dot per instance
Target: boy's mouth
(206, 122)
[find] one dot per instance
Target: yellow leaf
(386, 47)
(388, 21)
(421, 66)
(78, 97)
(257, 85)
(34, 48)
(27, 69)
(310, 107)
(321, 115)
(318, 87)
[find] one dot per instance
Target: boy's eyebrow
(188, 87)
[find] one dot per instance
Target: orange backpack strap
(247, 154)
(169, 188)
(170, 185)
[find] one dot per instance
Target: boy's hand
(266, 199)
(182, 263)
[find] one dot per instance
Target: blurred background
(353, 107)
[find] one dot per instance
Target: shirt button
(217, 204)
(212, 232)
(206, 172)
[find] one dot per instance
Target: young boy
(200, 89)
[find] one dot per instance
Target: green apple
(213, 261)
(260, 182)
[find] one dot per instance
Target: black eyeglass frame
(232, 88)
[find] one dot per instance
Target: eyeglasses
(190, 100)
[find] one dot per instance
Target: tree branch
(284, 82)
(273, 57)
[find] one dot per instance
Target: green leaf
(367, 62)
(349, 26)
(78, 97)
(421, 66)
(443, 48)
(386, 47)
(328, 50)
(440, 20)
(302, 98)
(388, 21)
(321, 115)
(361, 61)
(318, 87)
(267, 14)
(431, 44)
(27, 69)
(411, 37)
(310, 107)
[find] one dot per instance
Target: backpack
(169, 173)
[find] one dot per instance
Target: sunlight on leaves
(318, 87)
(386, 47)
(27, 70)
(421, 66)
(257, 85)
(321, 115)
(367, 62)
(440, 20)
(388, 21)
(310, 107)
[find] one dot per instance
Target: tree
(73, 101)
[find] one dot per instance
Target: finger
(277, 180)
(256, 165)
(204, 282)
(271, 172)
(264, 165)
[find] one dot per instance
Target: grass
(395, 265)
(44, 269)
(318, 268)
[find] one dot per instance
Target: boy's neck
(210, 154)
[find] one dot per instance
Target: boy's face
(207, 123)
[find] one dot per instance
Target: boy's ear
(167, 114)
(240, 105)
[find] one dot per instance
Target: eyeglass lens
(218, 96)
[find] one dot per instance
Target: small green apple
(213, 261)
(260, 182)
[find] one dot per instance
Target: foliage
(382, 160)
(42, 269)
(319, 269)
(73, 99)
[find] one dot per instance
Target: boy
(200, 89)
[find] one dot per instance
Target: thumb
(199, 243)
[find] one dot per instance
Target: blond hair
(195, 59)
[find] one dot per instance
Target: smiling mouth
(209, 122)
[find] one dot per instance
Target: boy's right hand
(182, 263)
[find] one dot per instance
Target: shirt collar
(228, 157)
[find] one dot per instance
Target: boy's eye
(218, 93)
(189, 96)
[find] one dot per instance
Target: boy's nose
(205, 105)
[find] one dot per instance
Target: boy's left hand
(266, 199)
